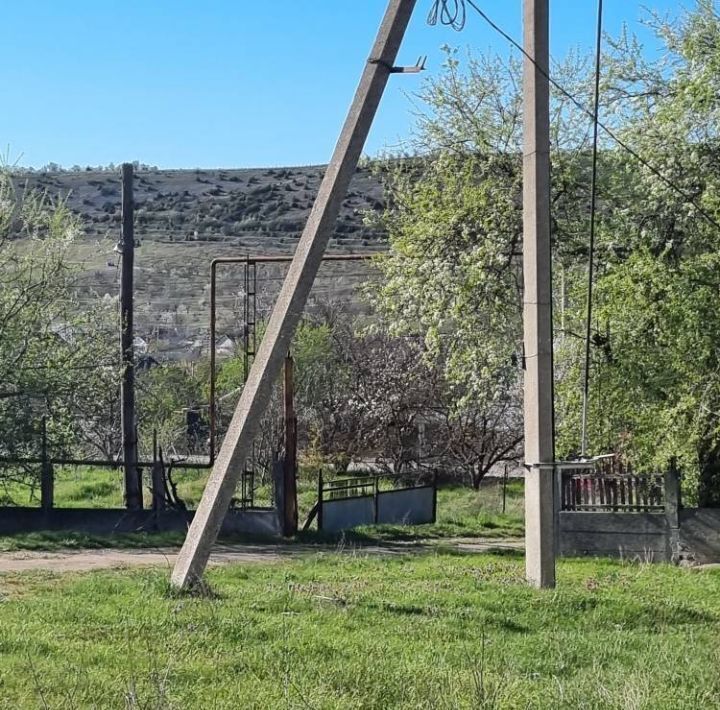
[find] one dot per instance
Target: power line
(578, 104)
(591, 248)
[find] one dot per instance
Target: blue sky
(224, 83)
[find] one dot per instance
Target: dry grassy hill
(258, 209)
(186, 218)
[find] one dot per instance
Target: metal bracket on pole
(291, 301)
(419, 66)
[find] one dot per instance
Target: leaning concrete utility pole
(537, 306)
(291, 301)
(133, 483)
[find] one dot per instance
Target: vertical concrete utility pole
(133, 486)
(537, 310)
(291, 301)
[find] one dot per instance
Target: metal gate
(351, 502)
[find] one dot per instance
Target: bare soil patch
(88, 560)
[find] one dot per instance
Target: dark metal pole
(213, 325)
(158, 477)
(133, 488)
(376, 500)
(504, 486)
(291, 301)
(47, 483)
(290, 509)
(321, 491)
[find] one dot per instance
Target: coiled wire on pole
(451, 13)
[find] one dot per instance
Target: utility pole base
(540, 527)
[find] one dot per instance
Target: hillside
(261, 209)
(186, 218)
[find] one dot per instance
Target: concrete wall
(643, 536)
(98, 521)
(700, 535)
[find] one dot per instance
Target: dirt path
(86, 560)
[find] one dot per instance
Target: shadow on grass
(408, 534)
(65, 540)
(200, 589)
(511, 552)
(415, 610)
(496, 550)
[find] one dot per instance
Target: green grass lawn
(349, 631)
(86, 487)
(62, 541)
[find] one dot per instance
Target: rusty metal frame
(249, 261)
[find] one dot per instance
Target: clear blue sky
(223, 83)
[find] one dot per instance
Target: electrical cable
(591, 247)
(443, 13)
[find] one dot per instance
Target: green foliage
(454, 222)
(656, 336)
(55, 353)
(165, 393)
(657, 391)
(452, 271)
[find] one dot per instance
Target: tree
(471, 441)
(655, 366)
(54, 349)
(389, 395)
(166, 393)
(454, 220)
(454, 224)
